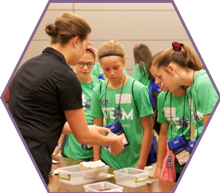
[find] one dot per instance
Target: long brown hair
(184, 58)
(67, 26)
(142, 57)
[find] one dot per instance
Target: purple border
(107, 1)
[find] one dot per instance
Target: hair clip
(135, 45)
(88, 47)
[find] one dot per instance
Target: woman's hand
(102, 130)
(117, 146)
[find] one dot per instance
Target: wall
(154, 24)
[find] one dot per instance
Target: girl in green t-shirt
(114, 101)
(173, 68)
(174, 116)
(180, 66)
(170, 126)
(141, 70)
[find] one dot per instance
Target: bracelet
(59, 145)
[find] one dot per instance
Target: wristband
(59, 145)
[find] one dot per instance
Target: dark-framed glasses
(82, 64)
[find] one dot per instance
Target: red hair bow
(176, 46)
(88, 47)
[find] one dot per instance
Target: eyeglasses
(82, 64)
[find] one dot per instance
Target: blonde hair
(184, 58)
(67, 26)
(111, 47)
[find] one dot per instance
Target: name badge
(125, 99)
(89, 146)
(182, 157)
(170, 112)
(124, 139)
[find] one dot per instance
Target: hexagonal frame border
(114, 1)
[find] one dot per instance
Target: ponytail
(180, 54)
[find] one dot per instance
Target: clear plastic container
(72, 174)
(103, 187)
(131, 177)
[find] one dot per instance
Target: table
(55, 186)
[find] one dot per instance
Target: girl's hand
(140, 166)
(56, 151)
(157, 173)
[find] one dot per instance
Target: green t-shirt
(138, 75)
(72, 148)
(203, 97)
(175, 111)
(98, 72)
(106, 104)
